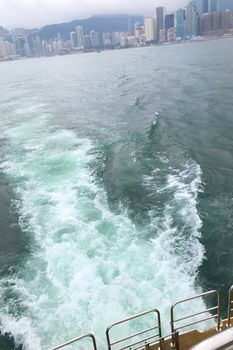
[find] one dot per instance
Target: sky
(37, 13)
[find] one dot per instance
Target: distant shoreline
(199, 40)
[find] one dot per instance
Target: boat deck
(187, 340)
(190, 339)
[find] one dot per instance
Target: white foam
(88, 266)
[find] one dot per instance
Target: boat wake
(89, 266)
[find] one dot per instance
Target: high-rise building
(3, 50)
(206, 23)
(162, 35)
(19, 46)
(123, 39)
(214, 5)
(159, 21)
(9, 38)
(79, 31)
(199, 6)
(107, 39)
(136, 26)
(205, 6)
(191, 20)
(226, 20)
(180, 23)
(130, 26)
(87, 41)
(216, 21)
(10, 50)
(150, 30)
(202, 6)
(116, 38)
(95, 42)
(169, 21)
(73, 39)
(171, 34)
(27, 49)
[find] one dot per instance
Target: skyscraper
(202, 6)
(180, 23)
(73, 39)
(169, 21)
(130, 26)
(19, 46)
(79, 31)
(87, 41)
(95, 42)
(226, 20)
(191, 20)
(205, 6)
(159, 21)
(149, 23)
(214, 5)
(3, 51)
(107, 39)
(215, 21)
(136, 26)
(206, 23)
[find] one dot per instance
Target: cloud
(36, 13)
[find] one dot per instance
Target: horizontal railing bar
(134, 335)
(198, 313)
(195, 297)
(138, 342)
(133, 317)
(190, 324)
(75, 340)
(140, 347)
(156, 341)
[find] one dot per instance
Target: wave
(88, 265)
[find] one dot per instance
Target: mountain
(101, 24)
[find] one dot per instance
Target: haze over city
(35, 13)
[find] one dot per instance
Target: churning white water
(89, 266)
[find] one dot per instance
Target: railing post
(219, 311)
(108, 338)
(229, 306)
(94, 341)
(177, 343)
(162, 344)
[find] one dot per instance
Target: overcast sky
(36, 13)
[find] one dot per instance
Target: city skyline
(197, 20)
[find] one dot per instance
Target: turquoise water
(116, 180)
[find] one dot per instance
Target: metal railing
(138, 344)
(153, 335)
(85, 336)
(176, 328)
(230, 303)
